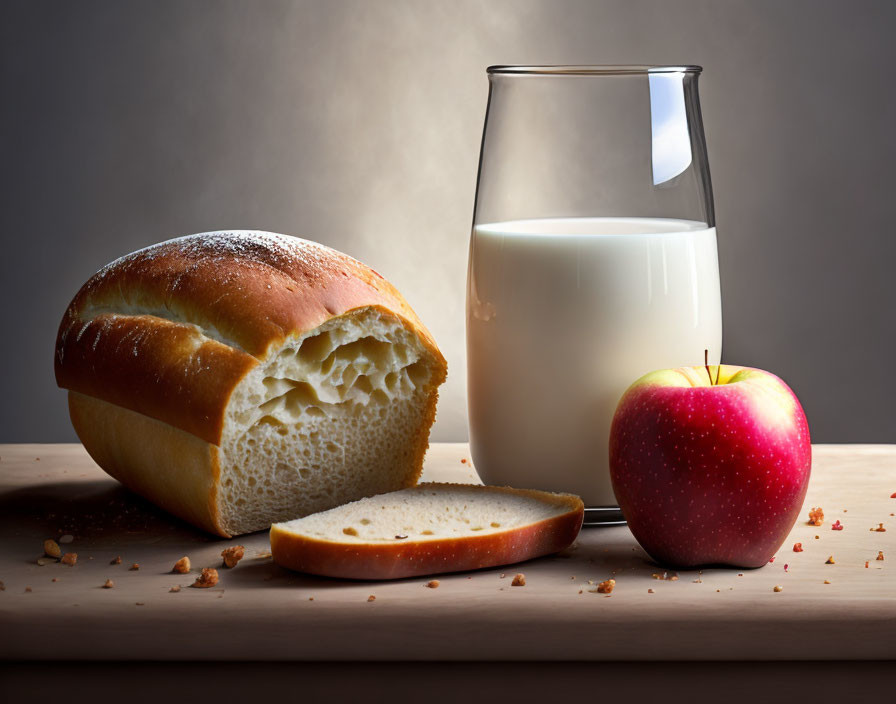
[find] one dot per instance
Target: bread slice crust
(418, 555)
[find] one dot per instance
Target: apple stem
(706, 364)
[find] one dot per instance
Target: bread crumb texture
(182, 566)
(208, 578)
(233, 555)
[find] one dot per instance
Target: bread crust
(172, 468)
(170, 331)
(410, 558)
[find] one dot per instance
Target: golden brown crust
(168, 466)
(169, 331)
(374, 561)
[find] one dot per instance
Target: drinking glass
(593, 261)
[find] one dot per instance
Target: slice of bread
(428, 529)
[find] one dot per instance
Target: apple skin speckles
(710, 474)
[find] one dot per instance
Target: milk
(563, 315)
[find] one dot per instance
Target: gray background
(358, 124)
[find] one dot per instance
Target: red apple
(710, 465)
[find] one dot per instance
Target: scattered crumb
(54, 579)
(115, 561)
(433, 584)
(880, 555)
(866, 564)
(65, 539)
(837, 525)
(698, 581)
(519, 580)
(134, 567)
(310, 598)
(175, 588)
(182, 566)
(2, 587)
(817, 537)
(880, 528)
(797, 547)
(70, 558)
(233, 554)
(371, 598)
(51, 549)
(263, 555)
(740, 574)
(463, 460)
(573, 577)
(845, 511)
(108, 584)
(667, 576)
(27, 589)
(830, 561)
(816, 516)
(208, 578)
(580, 591)
(606, 587)
(139, 603)
(502, 576)
(827, 581)
(778, 588)
(650, 591)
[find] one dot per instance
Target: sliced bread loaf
(428, 529)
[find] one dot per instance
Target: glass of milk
(592, 261)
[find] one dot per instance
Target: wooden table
(260, 612)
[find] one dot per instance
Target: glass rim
(584, 70)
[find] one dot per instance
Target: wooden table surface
(259, 611)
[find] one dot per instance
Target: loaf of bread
(428, 529)
(241, 378)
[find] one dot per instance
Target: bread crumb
(70, 558)
(51, 549)
(606, 587)
(115, 561)
(134, 567)
(182, 566)
(310, 598)
(816, 516)
(519, 580)
(464, 461)
(880, 555)
(817, 537)
(433, 584)
(65, 539)
(837, 525)
(27, 589)
(880, 528)
(108, 584)
(666, 576)
(54, 579)
(502, 576)
(263, 555)
(650, 591)
(371, 598)
(232, 555)
(827, 581)
(778, 588)
(208, 578)
(139, 603)
(797, 547)
(2, 587)
(580, 591)
(830, 561)
(175, 588)
(866, 564)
